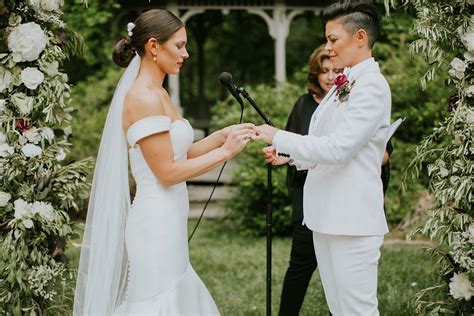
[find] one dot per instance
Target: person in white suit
(343, 151)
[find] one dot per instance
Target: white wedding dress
(161, 280)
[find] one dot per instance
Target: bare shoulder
(140, 103)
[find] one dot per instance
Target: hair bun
(123, 52)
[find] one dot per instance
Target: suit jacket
(298, 122)
(343, 191)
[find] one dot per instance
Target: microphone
(225, 79)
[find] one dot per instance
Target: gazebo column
(173, 80)
(278, 28)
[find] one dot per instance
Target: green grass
(233, 268)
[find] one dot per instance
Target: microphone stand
(244, 93)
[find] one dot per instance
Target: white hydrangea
(28, 223)
(32, 135)
(4, 198)
(23, 103)
(467, 36)
(31, 77)
(30, 150)
(51, 69)
(61, 155)
(5, 78)
(6, 150)
(47, 133)
(47, 5)
(45, 210)
(470, 91)
(457, 68)
(22, 209)
(460, 287)
(28, 41)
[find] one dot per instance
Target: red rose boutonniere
(343, 87)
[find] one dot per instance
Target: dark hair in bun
(157, 23)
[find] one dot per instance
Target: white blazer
(343, 190)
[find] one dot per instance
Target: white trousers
(348, 269)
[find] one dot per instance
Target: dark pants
(302, 265)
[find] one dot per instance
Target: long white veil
(103, 265)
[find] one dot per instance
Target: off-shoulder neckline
(156, 116)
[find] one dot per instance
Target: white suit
(343, 197)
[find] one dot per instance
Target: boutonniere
(343, 87)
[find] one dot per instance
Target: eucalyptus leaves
(37, 190)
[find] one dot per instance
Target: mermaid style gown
(161, 278)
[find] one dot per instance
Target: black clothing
(298, 122)
(385, 175)
(302, 257)
(301, 268)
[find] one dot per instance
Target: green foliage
(446, 30)
(250, 177)
(94, 22)
(39, 189)
(92, 98)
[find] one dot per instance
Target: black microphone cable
(215, 185)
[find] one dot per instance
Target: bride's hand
(269, 153)
(226, 130)
(237, 139)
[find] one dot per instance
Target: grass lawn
(233, 268)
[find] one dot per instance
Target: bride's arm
(158, 151)
(214, 140)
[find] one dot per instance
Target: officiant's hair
(356, 14)
(156, 23)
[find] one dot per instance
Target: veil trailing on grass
(102, 272)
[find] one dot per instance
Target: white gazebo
(277, 14)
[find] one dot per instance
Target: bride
(134, 259)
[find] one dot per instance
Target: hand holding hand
(271, 157)
(238, 138)
(226, 130)
(265, 133)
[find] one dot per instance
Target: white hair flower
(130, 27)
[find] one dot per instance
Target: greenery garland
(38, 188)
(446, 31)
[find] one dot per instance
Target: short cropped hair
(356, 14)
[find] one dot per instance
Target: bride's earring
(154, 57)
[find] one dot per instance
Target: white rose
(28, 40)
(6, 150)
(5, 78)
(23, 102)
(22, 208)
(45, 210)
(460, 287)
(2, 105)
(470, 91)
(47, 133)
(32, 77)
(30, 150)
(4, 198)
(32, 135)
(51, 69)
(28, 223)
(61, 155)
(51, 5)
